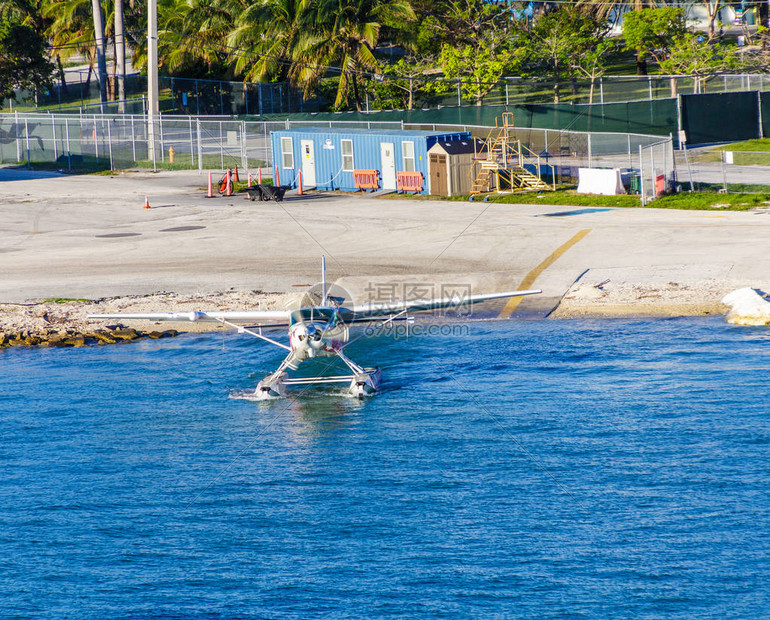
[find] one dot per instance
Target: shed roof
(458, 147)
(369, 132)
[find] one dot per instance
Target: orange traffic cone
(146, 202)
(236, 178)
(210, 193)
(259, 175)
(248, 178)
(229, 188)
(277, 179)
(300, 182)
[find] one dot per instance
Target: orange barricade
(409, 181)
(660, 184)
(366, 179)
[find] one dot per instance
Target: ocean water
(543, 469)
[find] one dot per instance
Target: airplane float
(321, 330)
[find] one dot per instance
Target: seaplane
(317, 330)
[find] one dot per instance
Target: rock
(155, 335)
(170, 333)
(125, 333)
(75, 341)
(31, 341)
(102, 337)
(747, 307)
(56, 340)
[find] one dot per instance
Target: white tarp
(604, 181)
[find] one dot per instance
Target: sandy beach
(87, 239)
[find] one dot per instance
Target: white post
(109, 141)
(590, 155)
(244, 159)
(26, 133)
(18, 139)
(649, 86)
(221, 147)
(53, 131)
(192, 148)
(153, 102)
(506, 93)
(133, 139)
(641, 177)
(200, 146)
(69, 153)
(601, 91)
(162, 144)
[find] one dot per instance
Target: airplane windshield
(312, 314)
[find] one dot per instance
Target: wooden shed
(452, 167)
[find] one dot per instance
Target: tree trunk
(120, 55)
(641, 65)
(591, 91)
(100, 48)
(556, 83)
(355, 93)
(62, 75)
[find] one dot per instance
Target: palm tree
(277, 27)
(345, 34)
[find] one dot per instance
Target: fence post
(506, 93)
(162, 144)
(649, 86)
(641, 177)
(679, 119)
(192, 148)
(601, 92)
(109, 142)
(244, 158)
(759, 113)
(459, 95)
(53, 131)
(26, 133)
(96, 139)
(259, 97)
(628, 139)
(18, 139)
(67, 133)
(200, 146)
(221, 147)
(590, 155)
(133, 139)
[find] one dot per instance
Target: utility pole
(101, 61)
(153, 106)
(120, 55)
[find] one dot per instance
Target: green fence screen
(656, 117)
(722, 117)
(765, 111)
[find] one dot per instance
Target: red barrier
(409, 181)
(366, 179)
(660, 184)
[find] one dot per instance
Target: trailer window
(347, 156)
(287, 153)
(407, 150)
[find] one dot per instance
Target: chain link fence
(107, 142)
(183, 96)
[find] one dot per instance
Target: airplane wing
(392, 307)
(231, 316)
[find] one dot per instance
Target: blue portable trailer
(328, 157)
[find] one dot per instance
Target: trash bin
(636, 184)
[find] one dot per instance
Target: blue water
(545, 469)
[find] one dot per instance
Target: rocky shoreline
(113, 334)
(65, 322)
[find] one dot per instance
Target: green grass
(568, 197)
(758, 144)
(63, 300)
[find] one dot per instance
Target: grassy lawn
(568, 197)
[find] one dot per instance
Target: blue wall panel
(327, 151)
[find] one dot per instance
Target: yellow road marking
(530, 278)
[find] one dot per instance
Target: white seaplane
(321, 330)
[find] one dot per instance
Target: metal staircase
(502, 160)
